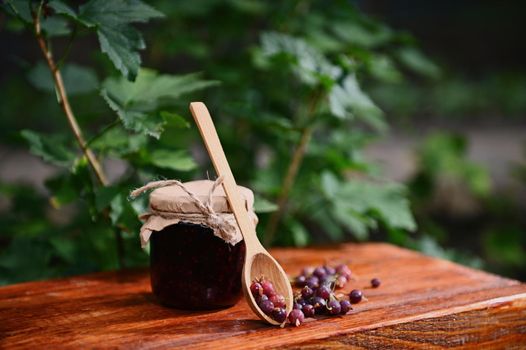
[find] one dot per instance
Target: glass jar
(191, 268)
(196, 248)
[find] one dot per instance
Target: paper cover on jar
(200, 202)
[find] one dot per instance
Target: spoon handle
(215, 150)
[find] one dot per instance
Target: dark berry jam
(193, 269)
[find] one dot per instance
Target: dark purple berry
(268, 288)
(323, 292)
(300, 281)
(296, 317)
(345, 306)
(312, 282)
(308, 310)
(279, 314)
(266, 306)
(375, 283)
(319, 272)
(326, 281)
(333, 307)
(307, 292)
(330, 270)
(297, 306)
(261, 298)
(278, 300)
(256, 289)
(319, 305)
(355, 296)
(301, 301)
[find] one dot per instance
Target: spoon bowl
(258, 262)
(263, 265)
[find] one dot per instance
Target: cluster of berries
(268, 300)
(316, 296)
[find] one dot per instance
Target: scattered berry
(334, 307)
(297, 306)
(307, 292)
(268, 288)
(300, 281)
(296, 317)
(278, 300)
(301, 301)
(375, 283)
(319, 305)
(355, 296)
(308, 310)
(345, 306)
(261, 298)
(266, 306)
(312, 282)
(256, 289)
(319, 272)
(279, 314)
(330, 270)
(323, 292)
(343, 270)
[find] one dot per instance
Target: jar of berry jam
(196, 249)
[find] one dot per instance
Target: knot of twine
(212, 219)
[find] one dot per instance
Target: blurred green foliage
(272, 74)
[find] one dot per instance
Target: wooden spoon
(258, 262)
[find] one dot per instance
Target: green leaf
(64, 248)
(416, 61)
(300, 236)
(382, 68)
(117, 38)
(63, 190)
(262, 205)
(135, 102)
(55, 26)
(135, 120)
(174, 120)
(506, 246)
(329, 184)
(61, 8)
(77, 79)
(19, 8)
(357, 34)
(309, 64)
(105, 195)
(445, 155)
(176, 160)
(358, 205)
(119, 142)
(50, 148)
(347, 100)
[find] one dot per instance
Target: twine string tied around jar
(217, 222)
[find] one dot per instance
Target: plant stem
(292, 171)
(75, 128)
(64, 103)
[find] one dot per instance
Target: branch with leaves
(138, 99)
(63, 99)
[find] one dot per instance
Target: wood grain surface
(423, 302)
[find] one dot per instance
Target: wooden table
(422, 302)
